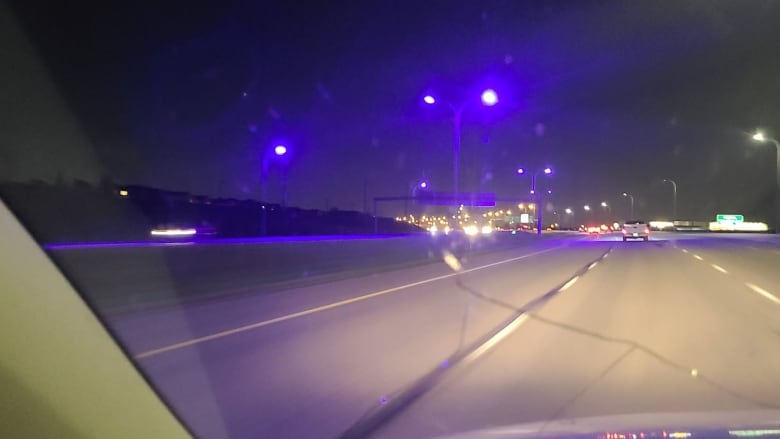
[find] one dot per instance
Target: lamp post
(569, 211)
(422, 185)
(760, 137)
(488, 98)
(608, 208)
(626, 194)
(674, 199)
(537, 200)
(278, 152)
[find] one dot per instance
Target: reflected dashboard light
(123, 193)
(173, 232)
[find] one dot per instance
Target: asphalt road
(681, 323)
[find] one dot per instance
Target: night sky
(616, 96)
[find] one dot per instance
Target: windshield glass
(404, 219)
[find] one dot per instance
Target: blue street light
(547, 170)
(277, 153)
(489, 98)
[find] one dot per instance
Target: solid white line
(500, 335)
(685, 250)
(763, 292)
(698, 257)
(326, 307)
(719, 268)
(590, 267)
(569, 284)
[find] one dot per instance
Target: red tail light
(647, 230)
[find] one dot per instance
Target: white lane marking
(685, 250)
(500, 335)
(309, 311)
(698, 257)
(763, 292)
(568, 284)
(719, 268)
(590, 267)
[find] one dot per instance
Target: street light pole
(606, 206)
(674, 199)
(759, 137)
(537, 201)
(279, 151)
(457, 122)
(626, 194)
(489, 98)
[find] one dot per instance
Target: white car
(636, 230)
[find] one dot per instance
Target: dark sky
(615, 95)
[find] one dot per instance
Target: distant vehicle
(594, 230)
(636, 229)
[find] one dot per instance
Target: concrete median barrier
(117, 279)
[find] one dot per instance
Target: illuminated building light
(738, 227)
(754, 433)
(173, 232)
(661, 225)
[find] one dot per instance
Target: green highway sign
(727, 218)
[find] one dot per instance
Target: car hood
(736, 424)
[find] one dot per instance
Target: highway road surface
(557, 328)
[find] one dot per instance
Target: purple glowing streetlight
(280, 150)
(547, 170)
(489, 98)
(274, 153)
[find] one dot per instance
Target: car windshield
(405, 218)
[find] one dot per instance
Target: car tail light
(647, 230)
(624, 231)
